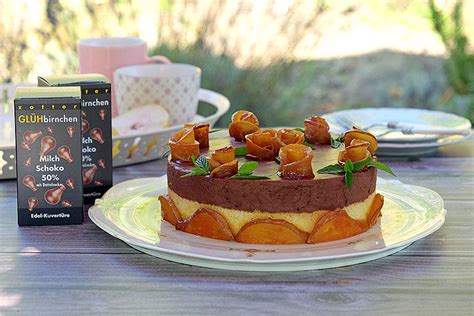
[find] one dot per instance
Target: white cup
(175, 87)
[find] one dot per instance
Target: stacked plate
(417, 132)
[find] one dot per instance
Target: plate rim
(431, 144)
(402, 245)
(271, 267)
(399, 141)
(120, 234)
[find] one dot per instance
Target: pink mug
(105, 54)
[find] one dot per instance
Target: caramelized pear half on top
(183, 145)
(243, 123)
(349, 136)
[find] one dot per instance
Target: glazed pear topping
(290, 136)
(316, 131)
(201, 133)
(291, 148)
(295, 162)
(360, 146)
(243, 123)
(357, 151)
(361, 135)
(183, 145)
(225, 170)
(263, 145)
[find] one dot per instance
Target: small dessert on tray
(272, 186)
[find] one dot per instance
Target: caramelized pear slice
(223, 155)
(263, 145)
(226, 170)
(183, 145)
(335, 225)
(184, 152)
(207, 223)
(271, 232)
(290, 136)
(243, 123)
(245, 116)
(361, 135)
(184, 136)
(213, 163)
(295, 162)
(168, 210)
(201, 133)
(316, 131)
(375, 210)
(240, 129)
(357, 151)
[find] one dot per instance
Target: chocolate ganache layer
(324, 192)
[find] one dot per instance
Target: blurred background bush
(282, 59)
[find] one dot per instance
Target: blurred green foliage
(261, 56)
(257, 89)
(460, 64)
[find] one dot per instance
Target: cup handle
(157, 59)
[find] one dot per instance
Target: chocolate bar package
(96, 130)
(48, 155)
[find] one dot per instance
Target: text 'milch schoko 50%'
(96, 128)
(48, 155)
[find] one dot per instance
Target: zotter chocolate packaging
(96, 130)
(48, 155)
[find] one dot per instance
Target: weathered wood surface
(82, 269)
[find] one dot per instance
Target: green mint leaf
(166, 153)
(195, 172)
(335, 142)
(249, 177)
(348, 166)
(201, 167)
(215, 130)
(240, 151)
(298, 129)
(381, 166)
(348, 179)
(361, 164)
(247, 168)
(331, 169)
(307, 144)
(202, 163)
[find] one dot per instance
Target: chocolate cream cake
(270, 186)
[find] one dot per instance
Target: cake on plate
(272, 186)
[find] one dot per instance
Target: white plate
(367, 116)
(131, 212)
(418, 148)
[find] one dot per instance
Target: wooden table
(83, 269)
